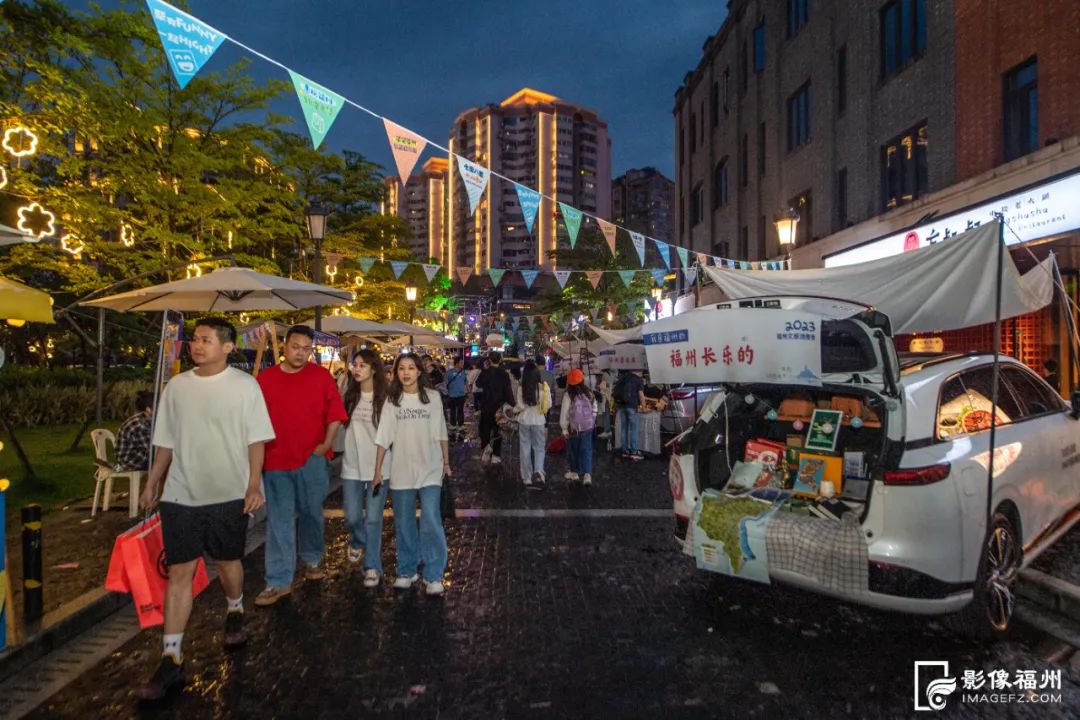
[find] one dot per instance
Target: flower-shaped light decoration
(3, 177)
(20, 141)
(193, 270)
(70, 243)
(127, 235)
(331, 271)
(36, 221)
(358, 281)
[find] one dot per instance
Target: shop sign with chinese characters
(1038, 212)
(741, 345)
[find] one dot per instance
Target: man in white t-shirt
(209, 433)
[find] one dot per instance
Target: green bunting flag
(572, 217)
(399, 267)
(627, 276)
(496, 275)
(684, 255)
(366, 263)
(320, 106)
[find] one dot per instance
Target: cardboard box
(813, 469)
(767, 452)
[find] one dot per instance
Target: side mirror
(1075, 412)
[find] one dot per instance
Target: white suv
(915, 539)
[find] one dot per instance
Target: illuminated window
(904, 167)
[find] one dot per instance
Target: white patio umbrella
(229, 289)
(401, 327)
(348, 325)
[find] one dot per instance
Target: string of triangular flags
(189, 43)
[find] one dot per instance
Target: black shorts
(189, 531)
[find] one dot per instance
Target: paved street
(558, 614)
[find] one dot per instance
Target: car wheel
(991, 610)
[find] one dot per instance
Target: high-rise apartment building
(421, 203)
(643, 200)
(555, 147)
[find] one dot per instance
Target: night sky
(422, 63)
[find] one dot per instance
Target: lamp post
(316, 225)
(657, 296)
(410, 297)
(786, 224)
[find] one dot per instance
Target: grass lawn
(61, 475)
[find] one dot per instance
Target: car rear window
(846, 348)
(1035, 396)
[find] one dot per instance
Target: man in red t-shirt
(306, 412)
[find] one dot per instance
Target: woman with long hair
(414, 426)
(578, 421)
(533, 400)
(365, 396)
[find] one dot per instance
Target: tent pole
(996, 373)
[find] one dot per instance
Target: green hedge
(42, 398)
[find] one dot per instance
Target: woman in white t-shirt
(533, 400)
(365, 397)
(412, 423)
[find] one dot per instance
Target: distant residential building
(421, 203)
(643, 200)
(543, 142)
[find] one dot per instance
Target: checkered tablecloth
(833, 553)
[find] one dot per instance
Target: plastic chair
(105, 474)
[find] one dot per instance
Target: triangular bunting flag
(639, 244)
(690, 275)
(731, 264)
(475, 178)
(572, 218)
(529, 200)
(609, 231)
(406, 146)
(594, 277)
(530, 277)
(188, 41)
(658, 276)
(684, 255)
(744, 265)
(496, 275)
(431, 271)
(562, 276)
(665, 253)
(627, 276)
(702, 259)
(366, 263)
(399, 267)
(320, 106)
(463, 274)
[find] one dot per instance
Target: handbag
(557, 444)
(143, 569)
(447, 498)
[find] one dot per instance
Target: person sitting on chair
(133, 438)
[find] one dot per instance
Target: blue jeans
(532, 441)
(432, 546)
(363, 518)
(579, 452)
(629, 428)
(291, 494)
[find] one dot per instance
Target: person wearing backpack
(629, 392)
(497, 391)
(577, 421)
(533, 402)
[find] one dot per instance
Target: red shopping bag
(143, 559)
(557, 444)
(116, 579)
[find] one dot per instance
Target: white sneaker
(571, 476)
(527, 482)
(485, 457)
(496, 460)
(404, 583)
(434, 588)
(355, 555)
(586, 479)
(371, 578)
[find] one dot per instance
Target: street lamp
(316, 225)
(410, 297)
(786, 224)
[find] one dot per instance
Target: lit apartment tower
(422, 206)
(558, 148)
(643, 200)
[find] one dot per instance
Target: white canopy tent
(614, 337)
(942, 287)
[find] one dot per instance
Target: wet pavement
(555, 607)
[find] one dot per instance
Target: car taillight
(917, 476)
(675, 478)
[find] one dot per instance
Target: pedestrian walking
(456, 382)
(494, 382)
(629, 393)
(603, 402)
(471, 387)
(533, 402)
(364, 502)
(412, 425)
(211, 426)
(577, 421)
(306, 410)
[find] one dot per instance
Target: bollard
(31, 548)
